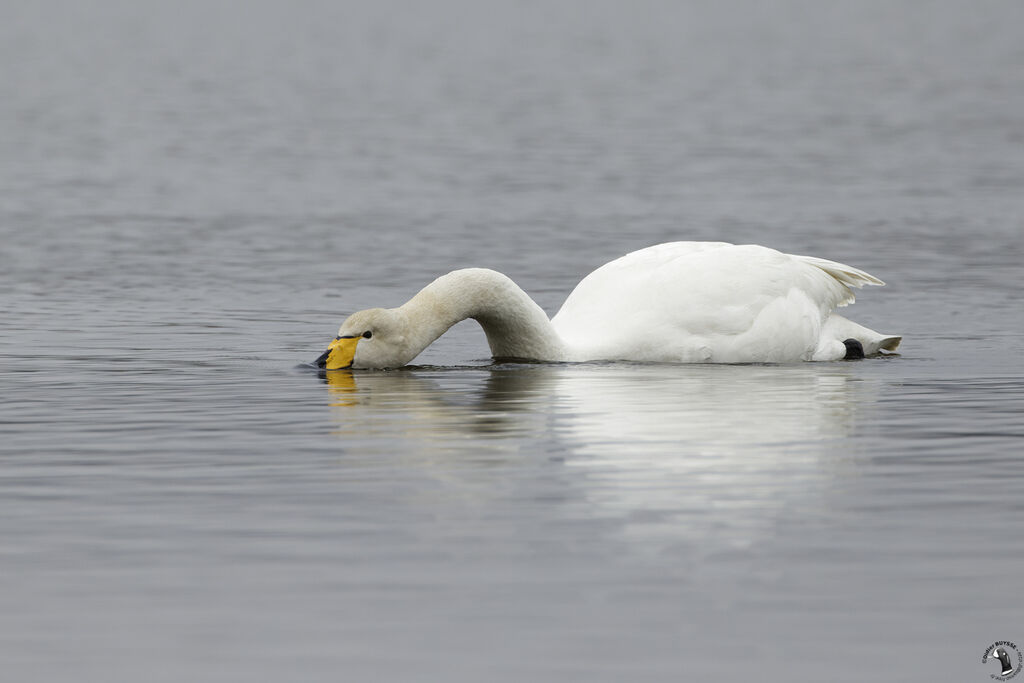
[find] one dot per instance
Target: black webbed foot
(854, 349)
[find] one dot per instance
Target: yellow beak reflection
(339, 354)
(342, 389)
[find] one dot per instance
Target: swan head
(374, 338)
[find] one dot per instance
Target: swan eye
(367, 334)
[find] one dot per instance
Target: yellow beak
(339, 354)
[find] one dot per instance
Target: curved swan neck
(516, 327)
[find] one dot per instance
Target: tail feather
(888, 344)
(839, 328)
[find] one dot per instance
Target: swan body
(683, 302)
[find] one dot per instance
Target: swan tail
(837, 328)
(888, 343)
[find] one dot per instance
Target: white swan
(681, 302)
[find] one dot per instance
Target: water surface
(191, 200)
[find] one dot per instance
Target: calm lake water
(193, 196)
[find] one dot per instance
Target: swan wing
(849, 276)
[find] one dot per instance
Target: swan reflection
(614, 410)
(439, 407)
(715, 450)
(667, 448)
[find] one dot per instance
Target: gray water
(193, 196)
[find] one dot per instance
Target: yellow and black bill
(339, 354)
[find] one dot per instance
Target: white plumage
(676, 302)
(710, 302)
